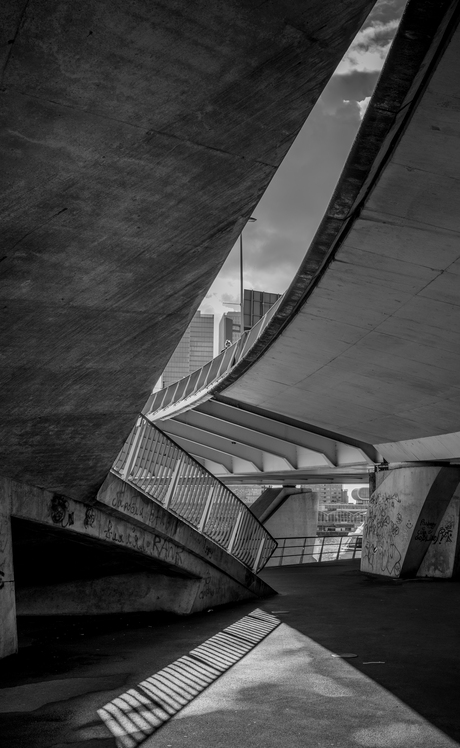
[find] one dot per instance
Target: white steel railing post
(231, 542)
(206, 509)
(259, 553)
(133, 450)
(338, 552)
(321, 552)
(172, 483)
(282, 552)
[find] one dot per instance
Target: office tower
(256, 304)
(194, 350)
(229, 329)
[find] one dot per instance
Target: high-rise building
(256, 304)
(195, 349)
(229, 329)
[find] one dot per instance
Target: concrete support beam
(241, 434)
(8, 634)
(412, 525)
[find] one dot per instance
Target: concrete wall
(296, 517)
(412, 524)
(175, 568)
(8, 637)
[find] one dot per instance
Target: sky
(294, 203)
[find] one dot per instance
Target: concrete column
(296, 517)
(412, 524)
(8, 631)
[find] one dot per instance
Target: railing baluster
(338, 552)
(172, 483)
(234, 532)
(158, 467)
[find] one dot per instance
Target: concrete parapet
(159, 562)
(412, 525)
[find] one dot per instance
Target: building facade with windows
(229, 329)
(195, 349)
(256, 304)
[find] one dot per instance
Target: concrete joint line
(139, 712)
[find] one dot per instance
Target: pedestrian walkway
(401, 689)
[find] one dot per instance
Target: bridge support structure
(412, 527)
(122, 553)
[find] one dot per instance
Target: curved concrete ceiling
(136, 139)
(365, 342)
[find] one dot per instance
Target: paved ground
(401, 690)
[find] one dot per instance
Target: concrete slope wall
(120, 554)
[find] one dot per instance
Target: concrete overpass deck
(400, 691)
(364, 343)
(135, 140)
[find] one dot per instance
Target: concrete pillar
(297, 516)
(8, 631)
(412, 524)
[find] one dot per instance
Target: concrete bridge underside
(365, 342)
(136, 138)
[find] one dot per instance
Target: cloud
(363, 106)
(370, 46)
(291, 209)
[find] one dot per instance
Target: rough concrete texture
(297, 516)
(124, 501)
(412, 513)
(93, 559)
(136, 139)
(400, 691)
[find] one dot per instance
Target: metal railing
(198, 383)
(163, 471)
(307, 550)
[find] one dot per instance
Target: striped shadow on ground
(136, 714)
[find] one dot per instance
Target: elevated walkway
(361, 351)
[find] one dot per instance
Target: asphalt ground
(402, 689)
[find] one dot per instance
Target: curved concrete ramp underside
(366, 340)
(136, 139)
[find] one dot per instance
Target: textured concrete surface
(135, 140)
(131, 555)
(400, 691)
(413, 513)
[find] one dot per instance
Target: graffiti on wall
(148, 543)
(380, 548)
(427, 531)
(59, 511)
(62, 512)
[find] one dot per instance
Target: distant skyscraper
(195, 349)
(256, 304)
(229, 329)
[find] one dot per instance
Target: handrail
(153, 463)
(297, 550)
(193, 387)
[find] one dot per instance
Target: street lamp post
(251, 219)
